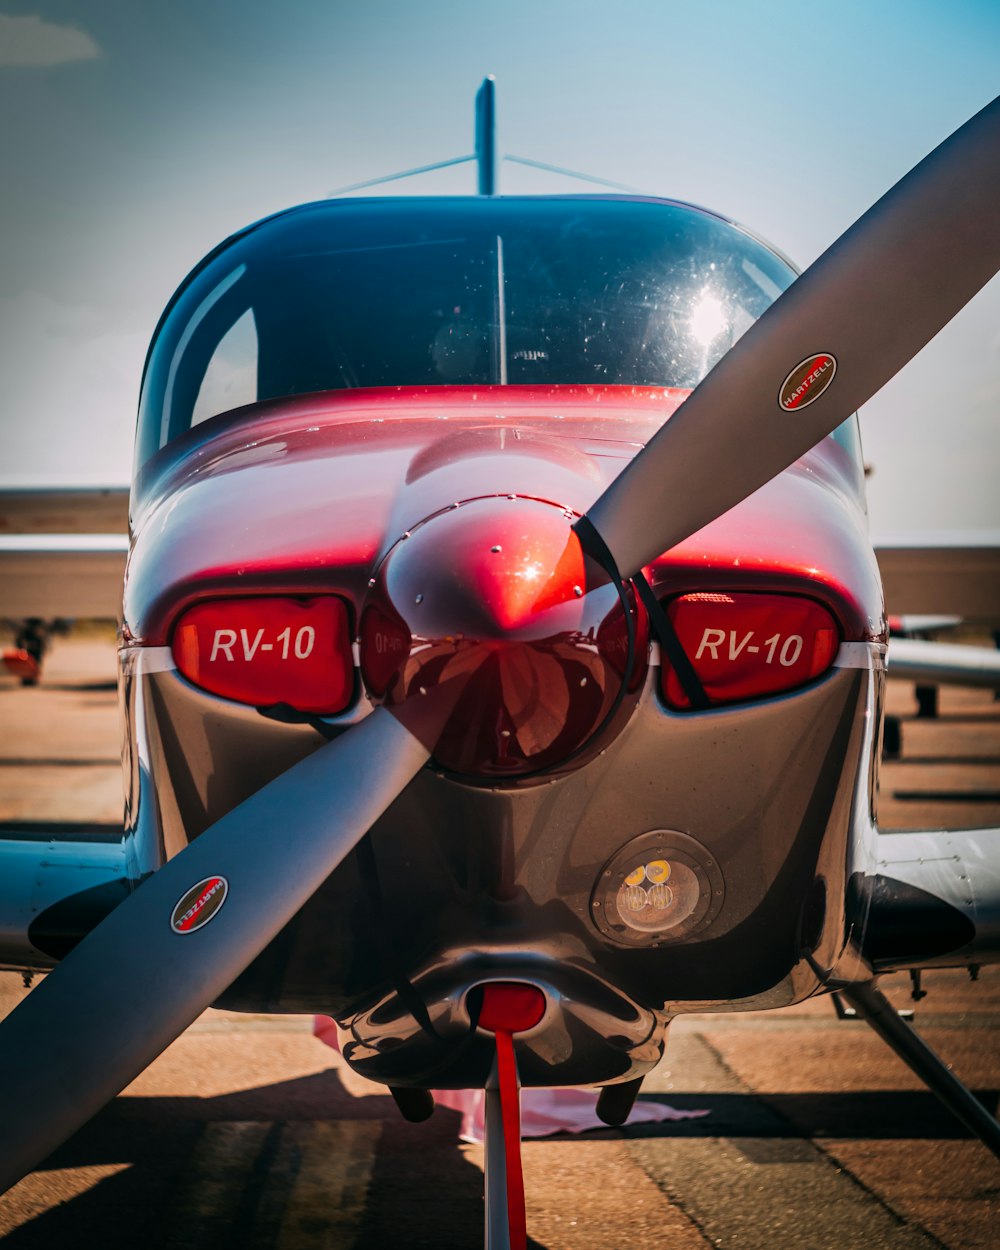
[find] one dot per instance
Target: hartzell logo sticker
(199, 905)
(807, 381)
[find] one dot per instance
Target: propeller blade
(162, 956)
(837, 335)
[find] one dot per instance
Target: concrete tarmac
(249, 1132)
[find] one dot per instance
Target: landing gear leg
(497, 1226)
(508, 1007)
(872, 1004)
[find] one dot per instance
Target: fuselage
(580, 826)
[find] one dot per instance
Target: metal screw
(496, 549)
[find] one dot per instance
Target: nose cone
(484, 611)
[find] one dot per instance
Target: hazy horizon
(135, 140)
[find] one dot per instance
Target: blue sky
(136, 136)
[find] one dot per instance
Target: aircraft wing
(70, 510)
(62, 552)
(954, 572)
(73, 576)
(949, 664)
(935, 900)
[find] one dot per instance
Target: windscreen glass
(403, 292)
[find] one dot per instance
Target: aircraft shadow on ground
(866, 1115)
(422, 1191)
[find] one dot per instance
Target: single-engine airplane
(502, 655)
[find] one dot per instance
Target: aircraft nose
(490, 614)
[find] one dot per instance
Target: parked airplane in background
(548, 514)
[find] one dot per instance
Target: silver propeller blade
(136, 982)
(869, 303)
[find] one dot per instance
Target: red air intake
(264, 651)
(747, 646)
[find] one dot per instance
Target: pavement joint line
(835, 1172)
(876, 1197)
(280, 1184)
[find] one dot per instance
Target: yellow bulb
(658, 871)
(636, 876)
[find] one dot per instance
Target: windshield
(402, 292)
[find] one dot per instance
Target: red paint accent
(511, 1007)
(490, 612)
(747, 646)
(334, 479)
(264, 651)
(510, 1110)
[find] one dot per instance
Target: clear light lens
(633, 897)
(653, 906)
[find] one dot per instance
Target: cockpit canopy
(440, 292)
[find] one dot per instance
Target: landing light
(662, 886)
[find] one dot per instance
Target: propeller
(826, 345)
(162, 956)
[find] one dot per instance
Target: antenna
(486, 137)
(487, 160)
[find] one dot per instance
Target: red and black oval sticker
(807, 381)
(199, 905)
